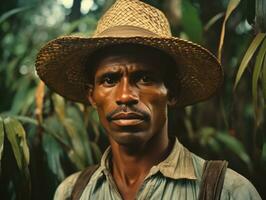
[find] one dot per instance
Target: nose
(126, 94)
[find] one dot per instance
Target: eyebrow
(100, 77)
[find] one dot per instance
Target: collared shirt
(177, 177)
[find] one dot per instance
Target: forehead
(132, 63)
(134, 56)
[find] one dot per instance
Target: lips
(127, 119)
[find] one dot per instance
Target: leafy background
(44, 138)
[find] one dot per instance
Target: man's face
(130, 97)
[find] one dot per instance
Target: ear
(171, 101)
(90, 96)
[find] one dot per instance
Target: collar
(178, 165)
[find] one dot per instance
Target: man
(131, 70)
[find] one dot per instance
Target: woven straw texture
(61, 62)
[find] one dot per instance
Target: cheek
(155, 100)
(103, 101)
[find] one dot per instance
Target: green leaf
(191, 22)
(248, 55)
(235, 146)
(17, 138)
(230, 8)
(53, 153)
(2, 133)
(263, 155)
(264, 79)
(261, 14)
(213, 20)
(96, 151)
(256, 74)
(12, 12)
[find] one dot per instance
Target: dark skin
(131, 99)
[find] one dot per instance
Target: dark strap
(212, 180)
(82, 181)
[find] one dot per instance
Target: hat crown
(136, 14)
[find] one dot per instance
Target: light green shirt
(177, 177)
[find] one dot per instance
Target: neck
(131, 164)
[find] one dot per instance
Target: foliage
(44, 138)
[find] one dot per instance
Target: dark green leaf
(12, 12)
(1, 139)
(261, 14)
(191, 22)
(264, 79)
(235, 146)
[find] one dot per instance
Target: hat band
(126, 31)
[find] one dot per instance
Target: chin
(130, 138)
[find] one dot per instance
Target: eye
(146, 79)
(109, 80)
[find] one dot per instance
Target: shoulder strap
(212, 180)
(82, 181)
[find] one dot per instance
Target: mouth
(127, 119)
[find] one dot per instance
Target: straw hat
(61, 63)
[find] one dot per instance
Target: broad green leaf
(235, 146)
(17, 137)
(53, 154)
(230, 8)
(2, 134)
(191, 22)
(256, 74)
(12, 12)
(248, 55)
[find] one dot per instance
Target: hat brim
(61, 65)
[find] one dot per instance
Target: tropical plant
(44, 138)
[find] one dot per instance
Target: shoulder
(65, 188)
(238, 187)
(235, 186)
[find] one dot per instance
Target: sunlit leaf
(59, 105)
(39, 95)
(230, 8)
(1, 139)
(12, 12)
(256, 74)
(235, 146)
(248, 55)
(17, 137)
